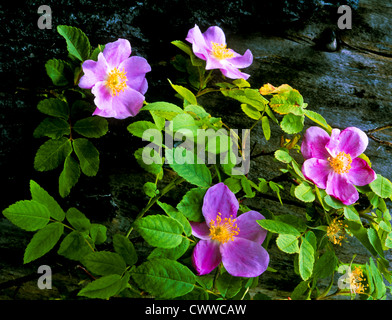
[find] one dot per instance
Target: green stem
(152, 201)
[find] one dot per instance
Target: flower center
(336, 232)
(223, 230)
(356, 278)
(341, 163)
(220, 52)
(116, 81)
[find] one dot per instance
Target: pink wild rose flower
(234, 241)
(211, 46)
(332, 162)
(117, 81)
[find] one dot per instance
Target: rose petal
(217, 199)
(242, 61)
(313, 144)
(206, 256)
(244, 258)
(200, 230)
(127, 103)
(136, 69)
(249, 228)
(360, 173)
(339, 187)
(199, 46)
(353, 141)
(94, 71)
(232, 72)
(117, 51)
(332, 145)
(103, 100)
(317, 171)
(214, 34)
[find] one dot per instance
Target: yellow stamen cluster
(336, 232)
(116, 81)
(356, 278)
(341, 163)
(220, 51)
(223, 230)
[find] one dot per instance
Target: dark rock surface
(349, 87)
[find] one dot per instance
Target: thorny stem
(152, 201)
(369, 133)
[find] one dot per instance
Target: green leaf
(276, 187)
(380, 289)
(54, 107)
(29, 215)
(137, 128)
(98, 233)
(282, 155)
(247, 96)
(155, 167)
(125, 249)
(52, 153)
(325, 265)
(160, 231)
(164, 109)
(69, 176)
(185, 93)
(251, 111)
(104, 287)
(241, 83)
(59, 71)
(104, 263)
(184, 121)
(381, 187)
(288, 102)
(375, 241)
(183, 46)
(191, 171)
(333, 202)
(172, 253)
(266, 127)
(177, 215)
(164, 278)
(246, 186)
(88, 156)
(361, 234)
(40, 195)
(74, 246)
(233, 184)
(351, 214)
(53, 128)
(91, 127)
(278, 227)
(228, 285)
(288, 243)
(150, 189)
(300, 290)
(315, 117)
(43, 241)
(306, 259)
(78, 220)
(304, 192)
(292, 124)
(191, 204)
(78, 44)
(96, 52)
(388, 240)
